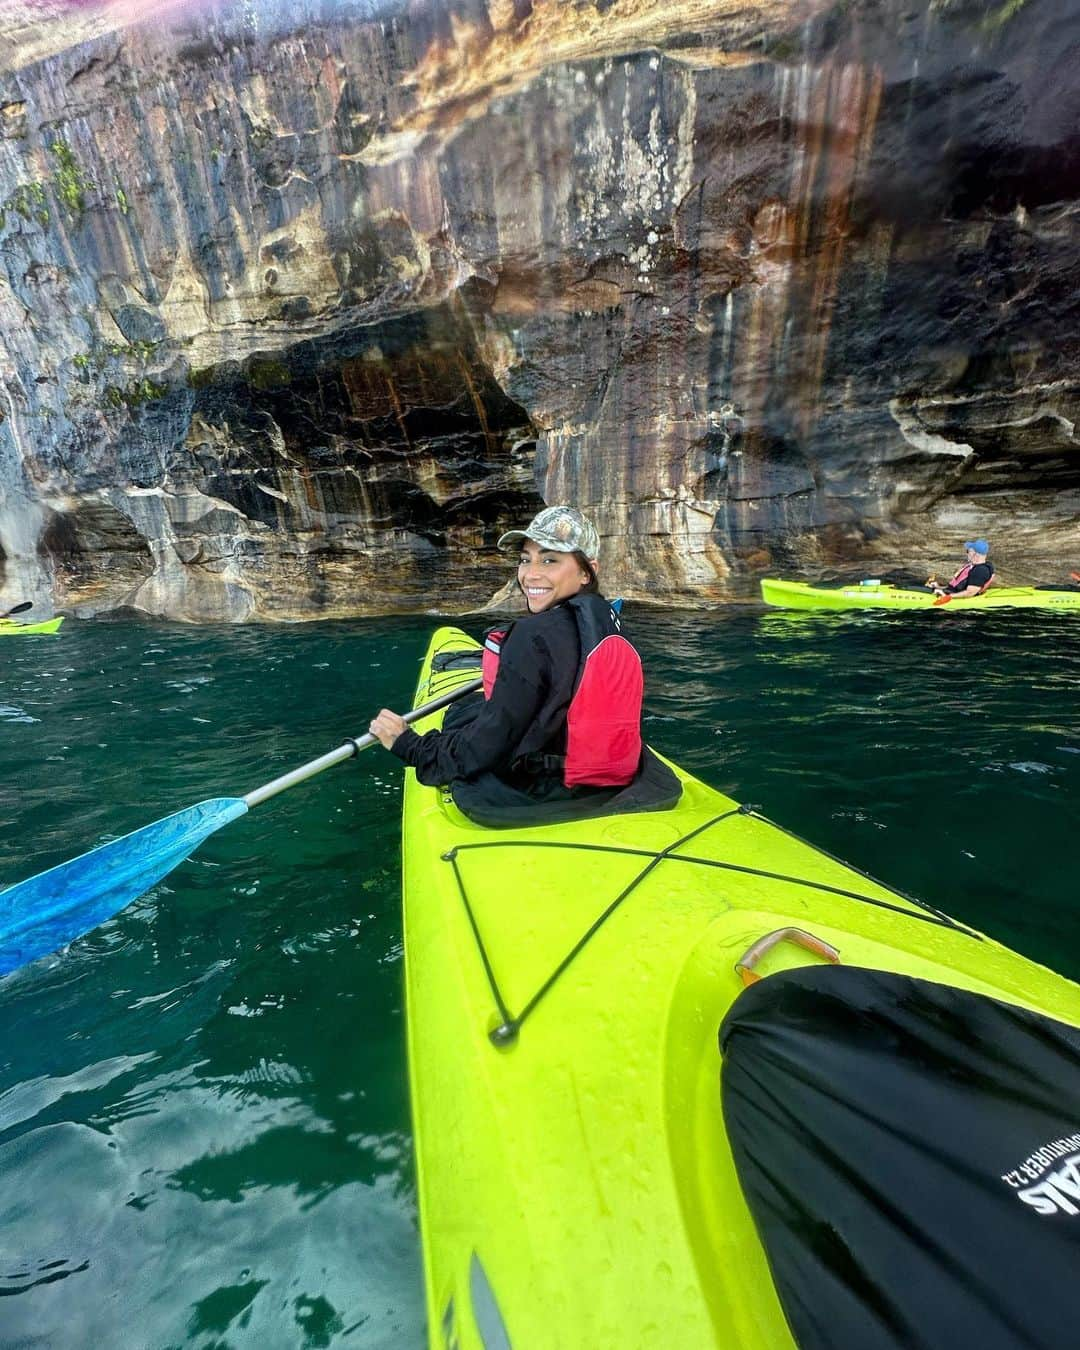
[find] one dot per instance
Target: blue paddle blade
(44, 912)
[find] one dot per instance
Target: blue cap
(979, 545)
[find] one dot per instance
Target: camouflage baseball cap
(560, 528)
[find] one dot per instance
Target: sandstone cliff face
(299, 313)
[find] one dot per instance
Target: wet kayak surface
(204, 1123)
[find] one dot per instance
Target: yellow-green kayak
(565, 987)
(10, 627)
(880, 595)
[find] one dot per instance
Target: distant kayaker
(975, 575)
(560, 721)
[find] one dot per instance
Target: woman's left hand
(387, 727)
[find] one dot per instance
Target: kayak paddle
(17, 609)
(54, 907)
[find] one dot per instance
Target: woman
(560, 723)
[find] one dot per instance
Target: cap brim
(545, 541)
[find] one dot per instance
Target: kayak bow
(9, 627)
(565, 985)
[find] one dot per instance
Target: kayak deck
(11, 627)
(576, 1185)
(802, 595)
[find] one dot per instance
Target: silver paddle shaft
(350, 748)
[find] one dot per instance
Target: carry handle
(753, 954)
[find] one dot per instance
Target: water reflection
(311, 1162)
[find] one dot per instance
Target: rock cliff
(301, 306)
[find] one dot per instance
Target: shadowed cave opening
(96, 552)
(391, 448)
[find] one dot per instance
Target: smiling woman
(557, 732)
(547, 578)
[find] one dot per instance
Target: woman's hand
(387, 727)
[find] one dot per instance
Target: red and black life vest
(603, 722)
(961, 576)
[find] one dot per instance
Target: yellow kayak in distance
(565, 987)
(12, 628)
(881, 595)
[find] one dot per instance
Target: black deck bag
(911, 1156)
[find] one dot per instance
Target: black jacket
(526, 713)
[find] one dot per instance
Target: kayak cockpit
(776, 1134)
(894, 1135)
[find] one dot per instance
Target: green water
(204, 1127)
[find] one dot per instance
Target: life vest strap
(538, 765)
